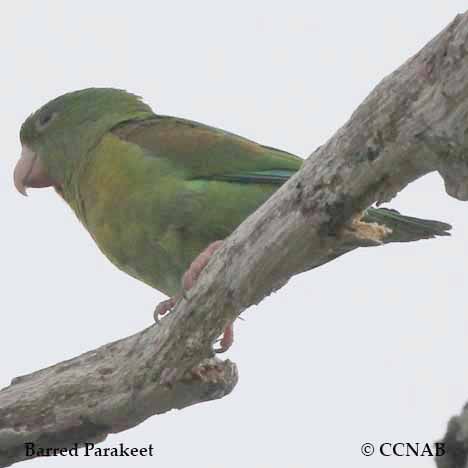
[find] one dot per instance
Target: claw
(164, 307)
(227, 339)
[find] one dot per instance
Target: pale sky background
(370, 348)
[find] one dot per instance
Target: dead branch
(414, 122)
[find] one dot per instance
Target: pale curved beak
(30, 172)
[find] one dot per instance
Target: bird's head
(57, 137)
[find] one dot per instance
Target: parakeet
(158, 193)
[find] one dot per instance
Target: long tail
(405, 228)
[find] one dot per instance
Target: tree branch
(455, 442)
(414, 122)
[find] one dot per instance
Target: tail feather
(405, 228)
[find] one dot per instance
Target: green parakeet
(155, 191)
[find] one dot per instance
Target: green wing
(207, 153)
(160, 191)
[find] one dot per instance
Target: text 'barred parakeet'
(158, 193)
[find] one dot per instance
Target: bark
(413, 123)
(455, 442)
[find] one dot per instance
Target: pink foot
(188, 280)
(227, 339)
(165, 306)
(191, 276)
(197, 266)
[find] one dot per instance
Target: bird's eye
(45, 119)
